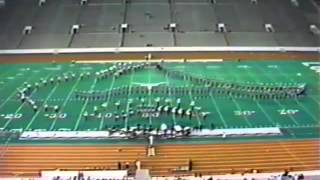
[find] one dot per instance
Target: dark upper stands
(147, 19)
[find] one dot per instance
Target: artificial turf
(297, 117)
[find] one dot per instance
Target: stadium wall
(166, 53)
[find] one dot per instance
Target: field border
(158, 56)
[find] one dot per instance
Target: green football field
(86, 101)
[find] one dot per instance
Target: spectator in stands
(286, 173)
(127, 165)
(138, 164)
(119, 165)
(56, 178)
(190, 165)
(300, 177)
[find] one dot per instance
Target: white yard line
(14, 92)
(291, 117)
(301, 105)
(101, 123)
(66, 100)
(108, 100)
(283, 107)
(173, 115)
(20, 107)
(218, 110)
(129, 95)
(6, 145)
(149, 94)
(191, 98)
(259, 105)
(37, 113)
(305, 126)
(76, 126)
(214, 102)
(313, 97)
(239, 108)
(265, 113)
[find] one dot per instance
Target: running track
(207, 159)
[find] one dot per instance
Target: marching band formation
(199, 88)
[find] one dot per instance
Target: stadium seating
(149, 22)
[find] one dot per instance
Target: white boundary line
(191, 99)
(65, 102)
(162, 49)
(149, 95)
(214, 103)
(301, 105)
(293, 119)
(151, 60)
(21, 106)
(76, 126)
(170, 95)
(258, 103)
(45, 101)
(14, 92)
(218, 110)
(240, 108)
(236, 103)
(129, 96)
(108, 100)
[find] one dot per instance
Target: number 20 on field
(288, 111)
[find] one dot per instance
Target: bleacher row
(148, 23)
(206, 159)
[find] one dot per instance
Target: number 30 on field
(58, 116)
(243, 113)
